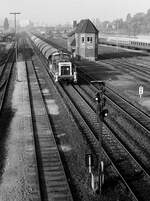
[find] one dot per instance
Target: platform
(19, 179)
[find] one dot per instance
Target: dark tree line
(132, 25)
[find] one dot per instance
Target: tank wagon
(60, 63)
(132, 43)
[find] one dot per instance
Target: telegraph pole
(15, 14)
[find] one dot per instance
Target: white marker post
(89, 160)
(140, 91)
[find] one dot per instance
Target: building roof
(73, 43)
(71, 33)
(86, 26)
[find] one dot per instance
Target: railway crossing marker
(141, 91)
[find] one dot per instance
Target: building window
(82, 39)
(89, 39)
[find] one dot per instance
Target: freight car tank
(60, 63)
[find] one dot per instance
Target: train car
(60, 63)
(133, 43)
(61, 67)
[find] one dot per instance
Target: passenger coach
(133, 43)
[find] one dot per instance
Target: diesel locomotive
(60, 63)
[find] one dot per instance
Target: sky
(53, 12)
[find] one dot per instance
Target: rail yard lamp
(101, 114)
(15, 14)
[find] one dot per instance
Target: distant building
(71, 43)
(83, 40)
(6, 25)
(74, 24)
(1, 29)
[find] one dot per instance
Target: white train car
(133, 43)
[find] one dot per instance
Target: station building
(83, 40)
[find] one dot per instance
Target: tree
(6, 24)
(128, 18)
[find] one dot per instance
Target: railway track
(134, 114)
(139, 67)
(53, 183)
(5, 75)
(129, 68)
(141, 62)
(89, 135)
(120, 157)
(65, 132)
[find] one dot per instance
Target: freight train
(131, 43)
(60, 63)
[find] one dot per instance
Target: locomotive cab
(61, 67)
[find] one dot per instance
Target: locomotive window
(61, 57)
(56, 57)
(65, 56)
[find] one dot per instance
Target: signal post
(101, 114)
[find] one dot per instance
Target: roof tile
(86, 26)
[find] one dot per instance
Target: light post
(117, 35)
(15, 13)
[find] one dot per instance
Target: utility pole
(117, 36)
(15, 13)
(101, 114)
